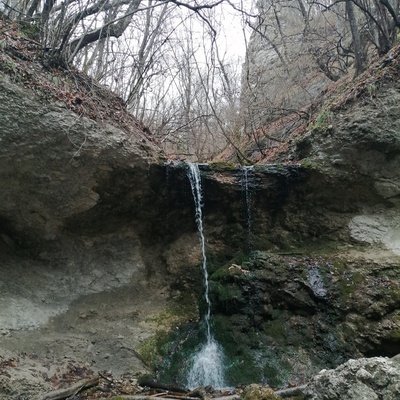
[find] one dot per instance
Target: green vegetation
(153, 349)
(323, 120)
(30, 31)
(310, 164)
(222, 166)
(262, 339)
(156, 349)
(277, 330)
(258, 392)
(7, 66)
(346, 280)
(227, 293)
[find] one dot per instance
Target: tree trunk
(115, 29)
(358, 52)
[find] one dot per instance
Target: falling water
(207, 368)
(247, 198)
(207, 363)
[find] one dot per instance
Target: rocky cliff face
(85, 230)
(99, 249)
(330, 211)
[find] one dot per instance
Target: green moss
(222, 166)
(8, 66)
(322, 121)
(272, 372)
(277, 330)
(344, 279)
(358, 278)
(233, 333)
(395, 295)
(242, 369)
(277, 370)
(177, 312)
(338, 266)
(29, 30)
(250, 354)
(227, 293)
(234, 273)
(168, 353)
(258, 392)
(394, 334)
(152, 349)
(310, 164)
(221, 274)
(349, 283)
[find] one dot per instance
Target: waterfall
(207, 367)
(246, 180)
(207, 363)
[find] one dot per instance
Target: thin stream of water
(207, 364)
(195, 183)
(246, 171)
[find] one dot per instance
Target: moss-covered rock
(258, 392)
(281, 317)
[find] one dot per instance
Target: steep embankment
(85, 228)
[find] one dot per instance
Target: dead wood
(152, 383)
(229, 397)
(148, 397)
(291, 391)
(60, 394)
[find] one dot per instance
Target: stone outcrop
(362, 379)
(85, 222)
(357, 154)
(52, 161)
(297, 314)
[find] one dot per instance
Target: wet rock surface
(296, 314)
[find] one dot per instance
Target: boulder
(361, 379)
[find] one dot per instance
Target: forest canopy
(192, 71)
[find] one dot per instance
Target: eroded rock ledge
(52, 161)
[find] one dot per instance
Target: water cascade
(207, 363)
(247, 177)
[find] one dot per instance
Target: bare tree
(358, 52)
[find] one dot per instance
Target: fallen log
(73, 390)
(282, 393)
(291, 391)
(229, 397)
(152, 397)
(152, 383)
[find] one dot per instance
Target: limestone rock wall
(85, 221)
(52, 159)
